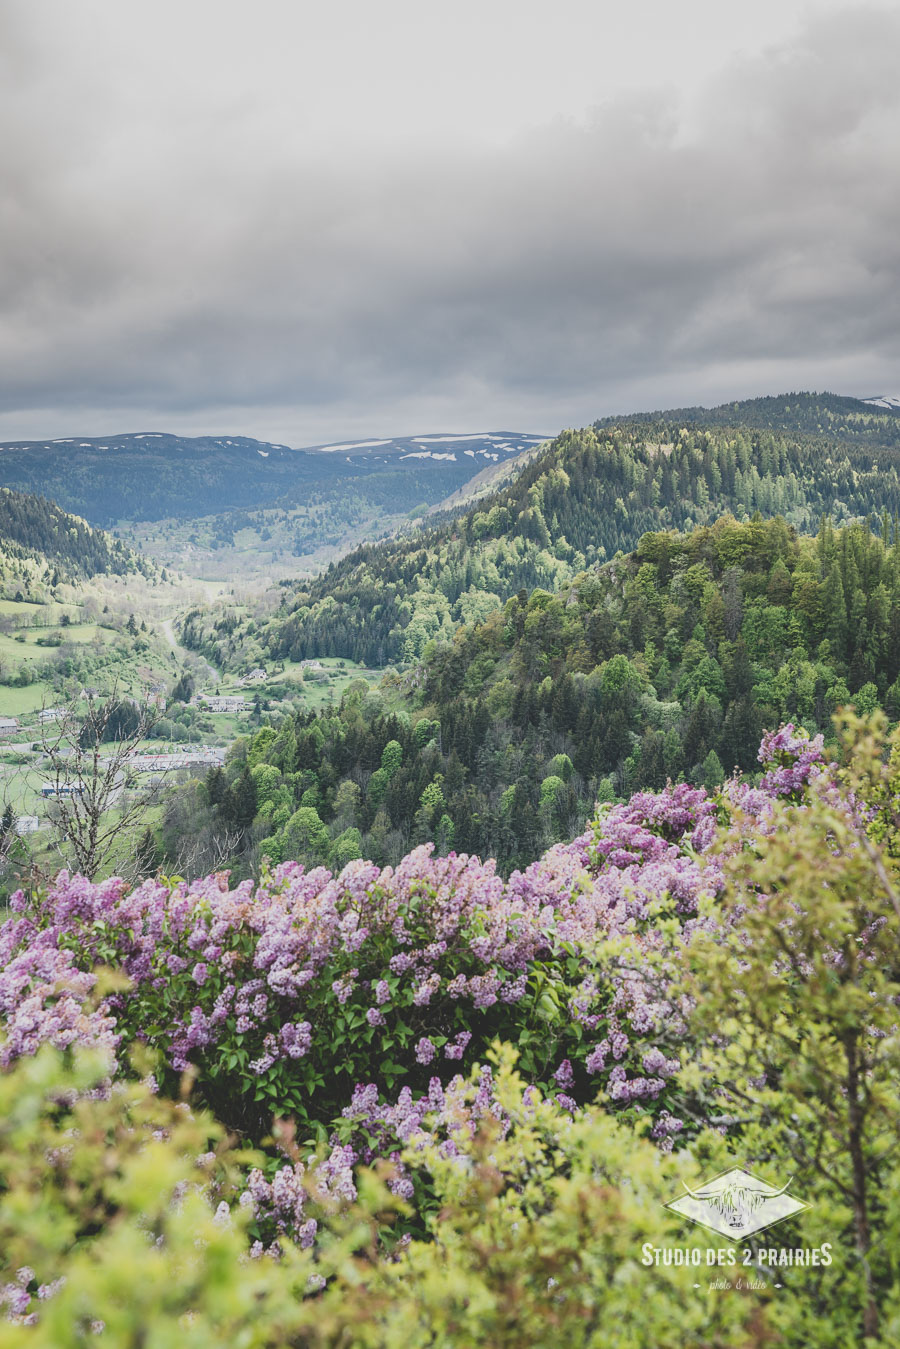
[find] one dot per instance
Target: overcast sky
(320, 221)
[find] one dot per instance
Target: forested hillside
(591, 494)
(32, 527)
(665, 663)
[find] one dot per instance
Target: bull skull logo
(736, 1204)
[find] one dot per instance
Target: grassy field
(339, 675)
(43, 659)
(20, 787)
(19, 701)
(287, 688)
(27, 641)
(16, 608)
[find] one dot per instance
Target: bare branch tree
(90, 769)
(206, 851)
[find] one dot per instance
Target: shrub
(120, 1225)
(288, 995)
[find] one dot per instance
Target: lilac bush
(296, 994)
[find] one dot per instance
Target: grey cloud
(183, 261)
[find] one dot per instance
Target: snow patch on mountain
(352, 445)
(430, 454)
(441, 440)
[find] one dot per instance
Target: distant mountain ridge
(490, 445)
(152, 475)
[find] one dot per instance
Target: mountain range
(150, 475)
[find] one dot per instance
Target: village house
(222, 702)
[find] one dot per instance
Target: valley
(223, 507)
(87, 618)
(575, 621)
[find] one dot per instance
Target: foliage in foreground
(796, 1015)
(501, 1216)
(118, 1226)
(113, 1231)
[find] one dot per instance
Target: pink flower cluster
(44, 999)
(791, 759)
(447, 1115)
(20, 1303)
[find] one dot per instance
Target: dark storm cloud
(170, 254)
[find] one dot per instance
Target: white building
(204, 756)
(223, 702)
(27, 824)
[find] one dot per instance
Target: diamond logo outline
(737, 1204)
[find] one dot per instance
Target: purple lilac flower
(296, 1040)
(596, 1060)
(457, 1046)
(792, 760)
(564, 1076)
